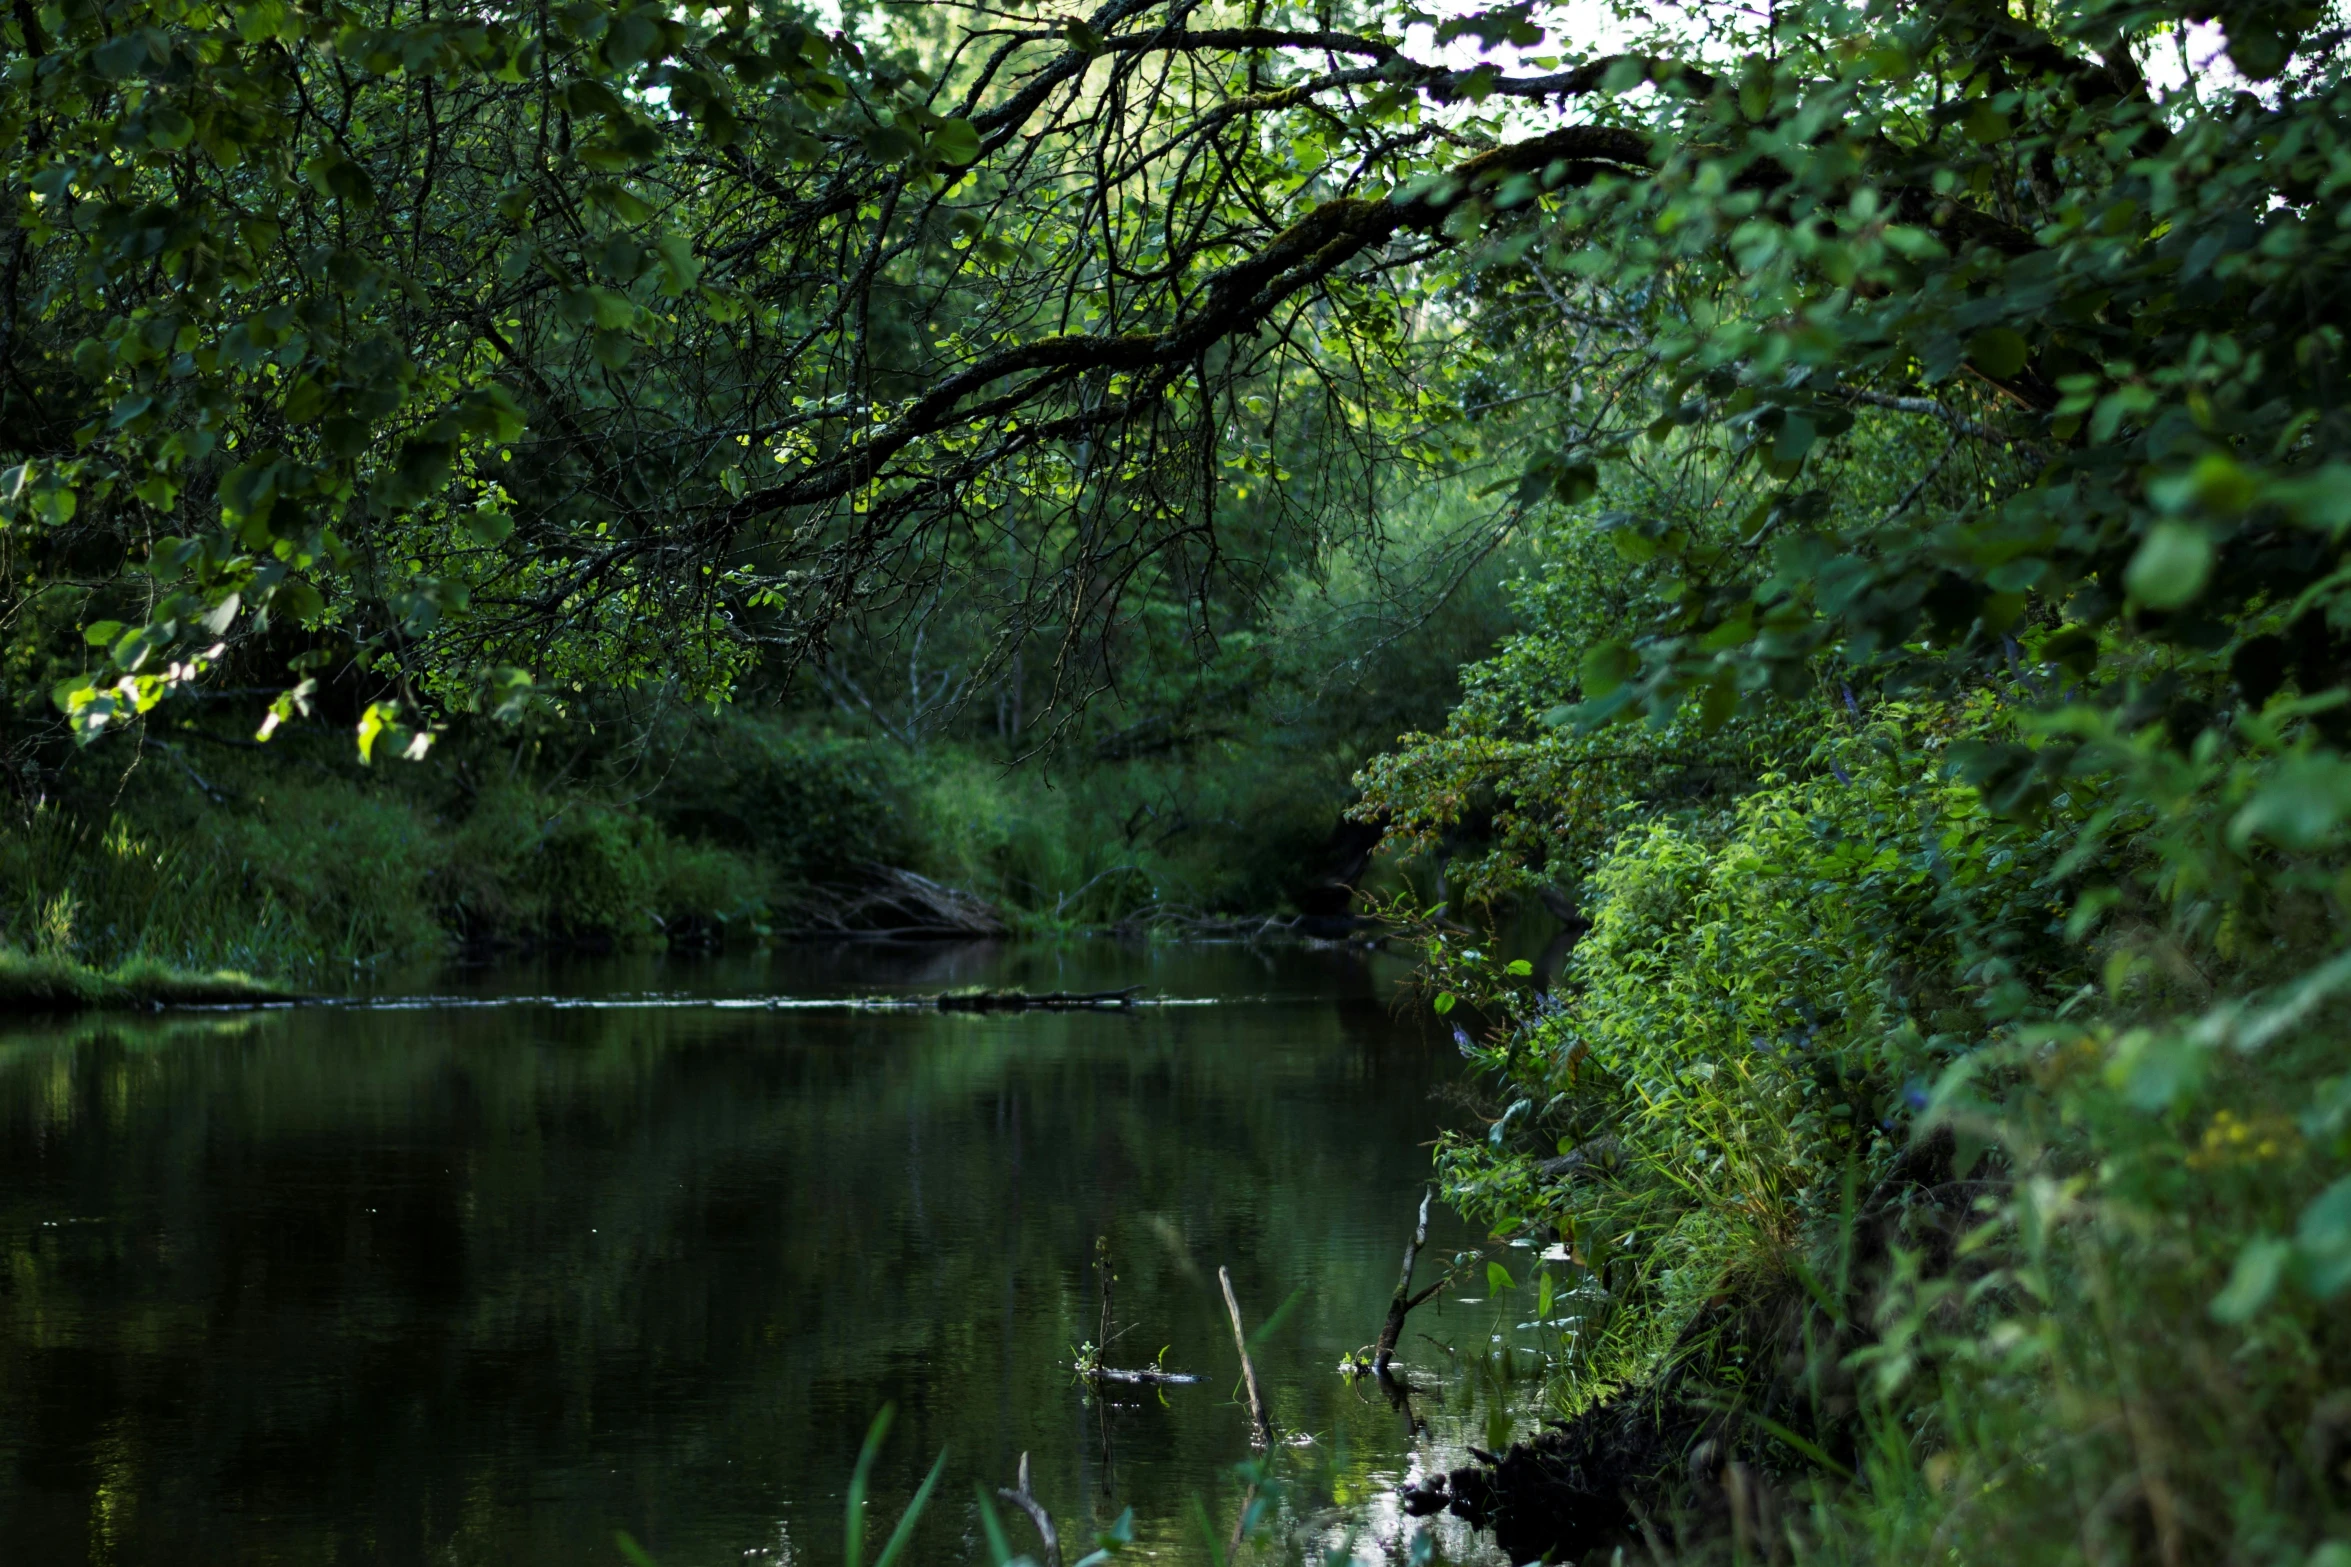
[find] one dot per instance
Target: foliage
(1536, 799)
(1736, 1093)
(806, 804)
(1949, 1090)
(432, 359)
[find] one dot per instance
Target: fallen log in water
(1145, 1376)
(1022, 1001)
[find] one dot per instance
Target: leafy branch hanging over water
(605, 342)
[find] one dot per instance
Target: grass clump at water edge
(54, 982)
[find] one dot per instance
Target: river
(487, 1276)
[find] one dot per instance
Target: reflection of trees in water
(498, 1280)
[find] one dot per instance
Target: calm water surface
(577, 1250)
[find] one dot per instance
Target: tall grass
(310, 878)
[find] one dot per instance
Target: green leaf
(2318, 500)
(2302, 806)
(853, 1531)
(1986, 124)
(681, 269)
(488, 525)
(1498, 1279)
(2156, 1068)
(955, 142)
(2324, 1238)
(1794, 438)
(169, 129)
(1606, 667)
(2171, 567)
(613, 350)
(1275, 1318)
(2260, 1265)
(379, 718)
(1210, 1535)
(992, 1528)
(297, 600)
(901, 1535)
(619, 200)
(1718, 700)
(1576, 482)
(630, 1551)
(1444, 1002)
(490, 411)
(1997, 352)
(1520, 967)
(589, 97)
(2218, 485)
(2255, 48)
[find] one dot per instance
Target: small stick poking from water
(1403, 1300)
(1103, 1276)
(1264, 1426)
(1026, 1500)
(1096, 1368)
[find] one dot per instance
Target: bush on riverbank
(1872, 1158)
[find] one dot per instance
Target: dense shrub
(2011, 1214)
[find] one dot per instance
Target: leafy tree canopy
(462, 349)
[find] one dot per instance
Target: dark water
(487, 1283)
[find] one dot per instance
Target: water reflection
(468, 1284)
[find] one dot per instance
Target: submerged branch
(1260, 1421)
(1025, 1499)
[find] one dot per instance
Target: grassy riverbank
(1945, 1216)
(48, 982)
(184, 848)
(1936, 1145)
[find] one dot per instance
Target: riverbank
(296, 862)
(47, 982)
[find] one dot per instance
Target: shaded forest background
(1211, 784)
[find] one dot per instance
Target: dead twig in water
(1402, 1302)
(1257, 1414)
(1103, 1278)
(1089, 1363)
(1026, 1500)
